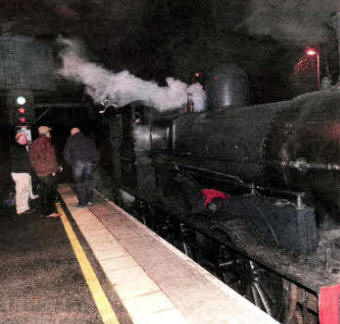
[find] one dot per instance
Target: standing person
(80, 152)
(20, 172)
(45, 164)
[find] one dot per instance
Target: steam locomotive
(250, 192)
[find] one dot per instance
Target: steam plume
(123, 88)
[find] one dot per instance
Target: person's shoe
(80, 206)
(28, 212)
(53, 215)
(90, 203)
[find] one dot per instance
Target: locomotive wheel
(280, 298)
(143, 212)
(301, 306)
(260, 286)
(185, 240)
(264, 288)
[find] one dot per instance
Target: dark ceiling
(155, 39)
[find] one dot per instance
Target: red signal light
(197, 74)
(311, 52)
(21, 110)
(22, 120)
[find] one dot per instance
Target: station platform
(155, 282)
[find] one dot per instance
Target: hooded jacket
(43, 158)
(80, 148)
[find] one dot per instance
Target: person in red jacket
(44, 162)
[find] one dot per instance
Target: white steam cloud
(123, 87)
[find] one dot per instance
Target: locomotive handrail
(225, 175)
(295, 194)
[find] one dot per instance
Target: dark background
(154, 39)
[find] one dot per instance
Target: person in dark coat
(45, 164)
(20, 172)
(80, 152)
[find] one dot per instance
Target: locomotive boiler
(290, 146)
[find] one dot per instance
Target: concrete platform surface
(155, 282)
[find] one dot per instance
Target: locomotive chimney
(228, 87)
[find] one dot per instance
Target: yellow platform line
(102, 303)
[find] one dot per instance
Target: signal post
(21, 110)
